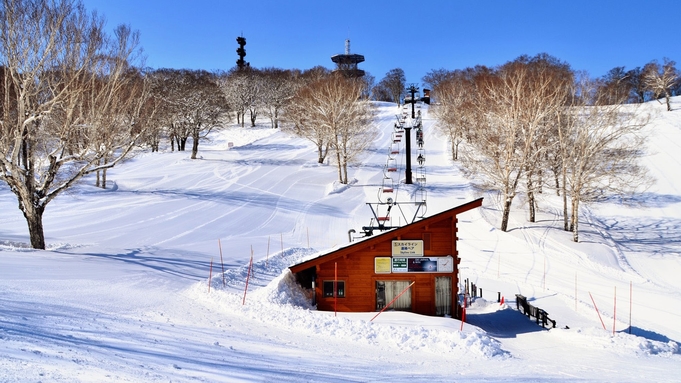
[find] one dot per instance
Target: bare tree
(453, 109)
(299, 116)
(330, 113)
(242, 89)
(437, 76)
(278, 86)
(661, 79)
(192, 104)
(601, 145)
(63, 79)
(617, 86)
(638, 88)
(369, 82)
(354, 130)
(511, 109)
(380, 93)
(394, 82)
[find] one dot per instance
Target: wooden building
(367, 275)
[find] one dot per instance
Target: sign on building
(413, 247)
(423, 264)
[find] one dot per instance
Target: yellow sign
(382, 265)
(412, 247)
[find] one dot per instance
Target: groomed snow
(123, 292)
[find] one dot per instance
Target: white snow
(123, 291)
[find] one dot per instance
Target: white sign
(412, 247)
(445, 264)
(423, 264)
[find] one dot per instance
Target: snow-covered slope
(123, 292)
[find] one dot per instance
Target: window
(328, 289)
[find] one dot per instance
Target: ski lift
(388, 185)
(391, 165)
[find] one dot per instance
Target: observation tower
(347, 63)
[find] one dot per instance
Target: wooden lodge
(367, 275)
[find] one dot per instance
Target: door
(386, 291)
(443, 296)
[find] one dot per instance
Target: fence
(542, 317)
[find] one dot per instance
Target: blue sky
(417, 36)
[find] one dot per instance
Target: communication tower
(241, 51)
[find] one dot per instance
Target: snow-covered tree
(661, 79)
(69, 102)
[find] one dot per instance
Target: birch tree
(661, 79)
(453, 109)
(511, 109)
(330, 113)
(601, 145)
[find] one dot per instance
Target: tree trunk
(345, 170)
(340, 167)
(530, 197)
(103, 178)
(195, 143)
(254, 115)
(320, 153)
(506, 213)
(532, 202)
(557, 181)
(34, 219)
(566, 226)
(575, 219)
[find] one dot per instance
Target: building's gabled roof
(375, 239)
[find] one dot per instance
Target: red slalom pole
(597, 312)
(392, 301)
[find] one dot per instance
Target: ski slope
(123, 291)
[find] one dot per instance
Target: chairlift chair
(391, 165)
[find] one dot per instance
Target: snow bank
(282, 303)
(621, 343)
